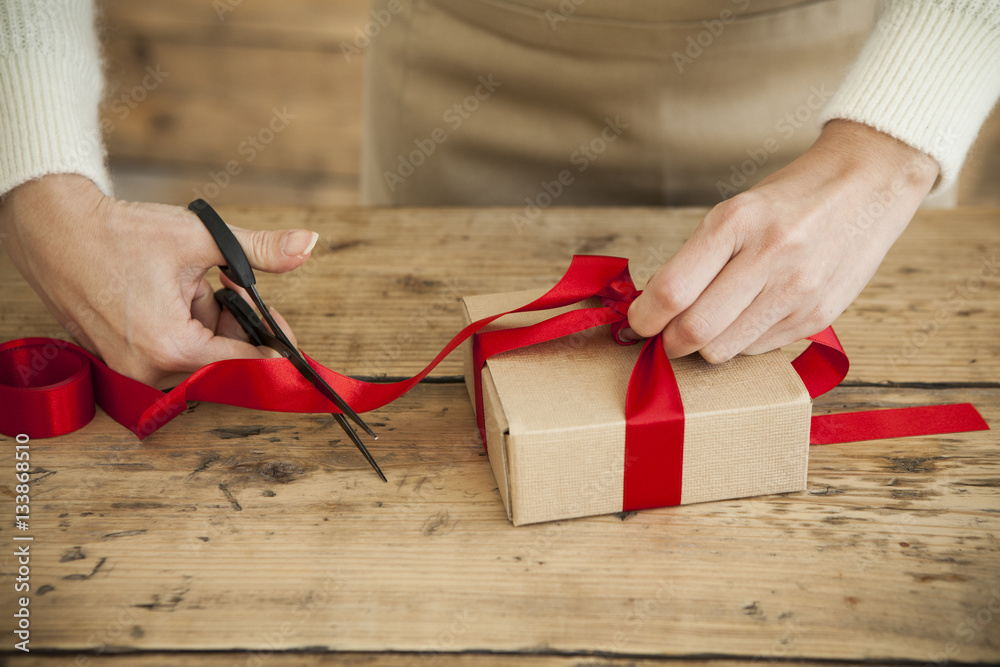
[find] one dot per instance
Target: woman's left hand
(782, 260)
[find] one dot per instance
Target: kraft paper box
(555, 420)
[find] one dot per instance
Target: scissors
(237, 269)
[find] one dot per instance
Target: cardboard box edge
(491, 398)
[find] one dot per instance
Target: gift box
(554, 418)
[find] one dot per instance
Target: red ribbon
(48, 386)
(654, 450)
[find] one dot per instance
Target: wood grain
(380, 294)
(228, 659)
(231, 530)
(314, 25)
(178, 184)
(211, 102)
(227, 69)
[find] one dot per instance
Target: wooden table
(233, 537)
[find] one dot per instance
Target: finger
(274, 313)
(230, 328)
(275, 251)
(761, 327)
(204, 307)
(283, 323)
(189, 348)
(796, 326)
(679, 282)
(718, 306)
(198, 346)
(219, 348)
(627, 335)
(226, 282)
(783, 333)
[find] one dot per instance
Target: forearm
(851, 158)
(928, 76)
(50, 89)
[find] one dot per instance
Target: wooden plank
(231, 529)
(179, 184)
(380, 294)
(295, 25)
(228, 659)
(259, 107)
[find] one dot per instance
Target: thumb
(276, 251)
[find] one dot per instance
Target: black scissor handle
(237, 267)
(245, 316)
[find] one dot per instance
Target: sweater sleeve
(50, 89)
(928, 75)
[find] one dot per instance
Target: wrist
(40, 200)
(870, 158)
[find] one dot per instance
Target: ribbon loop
(824, 364)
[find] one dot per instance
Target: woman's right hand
(127, 280)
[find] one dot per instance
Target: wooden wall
(223, 66)
(229, 65)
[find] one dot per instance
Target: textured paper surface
(558, 447)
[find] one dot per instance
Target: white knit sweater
(50, 88)
(929, 75)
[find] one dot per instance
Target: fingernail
(626, 334)
(298, 243)
(714, 354)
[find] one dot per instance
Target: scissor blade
(352, 434)
(260, 335)
(293, 355)
(304, 369)
(317, 381)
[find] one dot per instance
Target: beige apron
(537, 103)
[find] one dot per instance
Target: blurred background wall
(256, 102)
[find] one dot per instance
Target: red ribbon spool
(45, 386)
